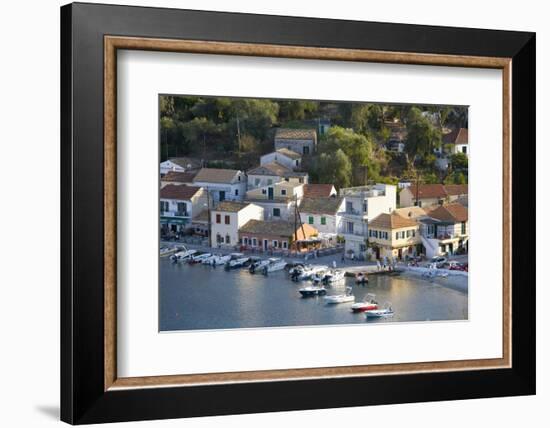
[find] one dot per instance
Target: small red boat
(368, 304)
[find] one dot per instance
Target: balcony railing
(174, 213)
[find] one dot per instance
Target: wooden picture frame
(91, 390)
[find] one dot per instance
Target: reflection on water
(200, 297)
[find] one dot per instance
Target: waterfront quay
(200, 297)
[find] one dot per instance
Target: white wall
(37, 326)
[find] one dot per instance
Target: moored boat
(198, 258)
(368, 304)
(340, 298)
(258, 265)
(385, 312)
(236, 263)
(181, 256)
(310, 291)
(274, 264)
(333, 275)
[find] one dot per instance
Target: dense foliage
(236, 131)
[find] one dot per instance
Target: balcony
(174, 213)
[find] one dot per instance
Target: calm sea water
(196, 297)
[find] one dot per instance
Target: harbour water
(198, 297)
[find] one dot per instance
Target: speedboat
(182, 255)
(310, 291)
(198, 258)
(334, 276)
(385, 312)
(308, 272)
(220, 260)
(340, 298)
(208, 260)
(258, 265)
(368, 304)
(274, 264)
(236, 263)
(361, 278)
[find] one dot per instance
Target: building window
(275, 244)
(227, 239)
(285, 245)
(396, 235)
(256, 182)
(264, 191)
(297, 163)
(463, 228)
(323, 221)
(236, 192)
(306, 150)
(283, 192)
(408, 233)
(414, 233)
(219, 239)
(227, 220)
(254, 242)
(310, 219)
(365, 206)
(269, 181)
(245, 240)
(239, 178)
(301, 180)
(182, 208)
(218, 218)
(350, 227)
(276, 212)
(163, 206)
(464, 149)
(419, 203)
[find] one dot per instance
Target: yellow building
(394, 236)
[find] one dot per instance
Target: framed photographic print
(266, 213)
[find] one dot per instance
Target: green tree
(296, 109)
(334, 168)
(422, 136)
(459, 161)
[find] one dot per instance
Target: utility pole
(209, 218)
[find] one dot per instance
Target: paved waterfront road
(194, 297)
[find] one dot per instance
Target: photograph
(294, 213)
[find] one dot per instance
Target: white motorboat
(314, 290)
(220, 260)
(334, 275)
(237, 263)
(341, 298)
(208, 260)
(368, 304)
(258, 265)
(308, 272)
(198, 258)
(182, 255)
(385, 312)
(274, 264)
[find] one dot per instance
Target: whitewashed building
(362, 204)
(179, 204)
(179, 165)
(457, 140)
(227, 218)
(222, 184)
(324, 214)
(274, 172)
(278, 200)
(302, 141)
(283, 156)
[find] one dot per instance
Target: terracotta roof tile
(327, 206)
(428, 191)
(295, 134)
(456, 136)
(179, 177)
(391, 221)
(456, 189)
(230, 206)
(181, 192)
(451, 213)
(318, 190)
(213, 175)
